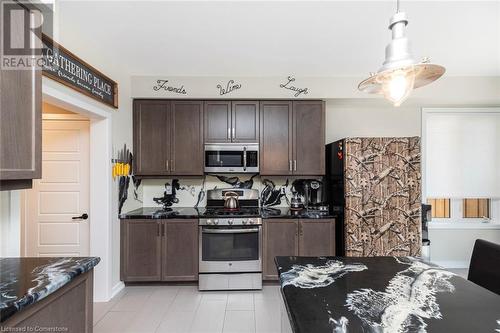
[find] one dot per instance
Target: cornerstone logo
(22, 24)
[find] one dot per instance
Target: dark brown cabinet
(152, 137)
(281, 238)
(276, 138)
(141, 244)
(180, 248)
(159, 250)
(317, 237)
(308, 138)
(187, 138)
(20, 118)
(236, 121)
(168, 138)
(292, 237)
(292, 138)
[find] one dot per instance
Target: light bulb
(398, 84)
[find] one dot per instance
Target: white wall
(374, 118)
(10, 233)
(453, 247)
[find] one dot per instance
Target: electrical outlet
(168, 189)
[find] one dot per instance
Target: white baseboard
(451, 263)
(116, 289)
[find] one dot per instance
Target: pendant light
(400, 73)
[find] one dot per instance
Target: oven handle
(229, 231)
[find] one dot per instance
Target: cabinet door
(152, 137)
(140, 250)
(317, 237)
(280, 239)
(20, 116)
(245, 121)
(180, 250)
(308, 138)
(217, 121)
(276, 138)
(187, 138)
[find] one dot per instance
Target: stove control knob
(244, 222)
(209, 222)
(251, 221)
(230, 222)
(216, 221)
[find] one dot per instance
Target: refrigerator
(373, 186)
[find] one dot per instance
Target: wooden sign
(64, 67)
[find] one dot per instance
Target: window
(461, 164)
(476, 208)
(440, 208)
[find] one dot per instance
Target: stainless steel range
(231, 242)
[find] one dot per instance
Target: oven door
(231, 158)
(230, 249)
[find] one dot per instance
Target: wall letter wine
(230, 87)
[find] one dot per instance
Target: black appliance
(334, 190)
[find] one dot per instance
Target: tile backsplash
(190, 188)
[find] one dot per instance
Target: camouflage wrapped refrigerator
(374, 186)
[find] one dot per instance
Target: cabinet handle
(172, 165)
(158, 229)
(290, 165)
(234, 133)
(167, 165)
(229, 132)
(163, 229)
(295, 165)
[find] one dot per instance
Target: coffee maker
(312, 192)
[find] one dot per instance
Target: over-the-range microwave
(232, 158)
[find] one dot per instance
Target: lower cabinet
(159, 250)
(296, 237)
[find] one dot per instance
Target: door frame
(101, 184)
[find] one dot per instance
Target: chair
(484, 268)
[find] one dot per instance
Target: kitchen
(201, 172)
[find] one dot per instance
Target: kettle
(231, 200)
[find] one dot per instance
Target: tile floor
(162, 309)
(182, 309)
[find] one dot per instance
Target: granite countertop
(194, 213)
(382, 294)
(159, 213)
(24, 281)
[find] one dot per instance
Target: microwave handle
(244, 158)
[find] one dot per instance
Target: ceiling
(257, 38)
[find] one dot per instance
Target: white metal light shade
(400, 73)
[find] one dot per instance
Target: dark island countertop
(25, 281)
(194, 213)
(382, 294)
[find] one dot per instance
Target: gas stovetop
(223, 212)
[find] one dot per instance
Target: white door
(54, 206)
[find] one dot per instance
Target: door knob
(84, 216)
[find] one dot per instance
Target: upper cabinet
(308, 138)
(169, 135)
(186, 138)
(236, 121)
(164, 131)
(276, 138)
(20, 119)
(292, 138)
